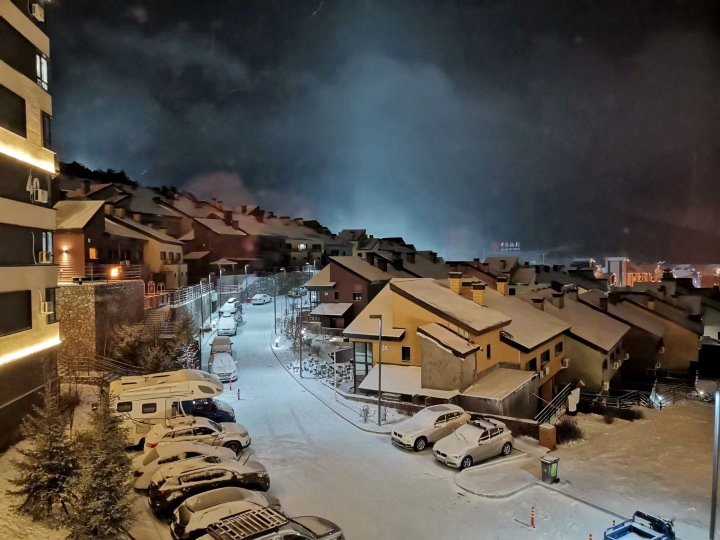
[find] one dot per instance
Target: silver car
(428, 426)
(478, 440)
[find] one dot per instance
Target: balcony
(101, 272)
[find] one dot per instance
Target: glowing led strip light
(27, 351)
(25, 157)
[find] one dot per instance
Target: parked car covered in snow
(194, 428)
(192, 517)
(268, 524)
(145, 465)
(260, 299)
(226, 325)
(173, 483)
(223, 365)
(478, 440)
(297, 292)
(428, 426)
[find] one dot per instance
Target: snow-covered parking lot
(321, 464)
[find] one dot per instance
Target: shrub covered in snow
(567, 430)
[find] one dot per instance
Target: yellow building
(29, 333)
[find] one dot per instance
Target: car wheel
(234, 446)
(466, 462)
(506, 449)
(420, 444)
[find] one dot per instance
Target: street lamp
(302, 335)
(716, 444)
(379, 320)
(246, 282)
(275, 300)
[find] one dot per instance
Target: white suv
(428, 426)
(195, 428)
(260, 299)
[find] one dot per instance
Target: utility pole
(246, 283)
(379, 405)
(716, 444)
(275, 304)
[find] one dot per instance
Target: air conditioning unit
(616, 365)
(45, 257)
(541, 374)
(626, 357)
(605, 386)
(661, 350)
(40, 196)
(47, 308)
(38, 12)
(565, 363)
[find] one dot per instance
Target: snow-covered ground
(322, 464)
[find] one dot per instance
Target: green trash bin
(549, 469)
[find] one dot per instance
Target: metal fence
(101, 272)
(183, 296)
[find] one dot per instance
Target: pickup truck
(642, 526)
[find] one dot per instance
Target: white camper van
(145, 400)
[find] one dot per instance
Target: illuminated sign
(506, 246)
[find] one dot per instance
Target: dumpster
(549, 469)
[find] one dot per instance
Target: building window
(558, 348)
(15, 312)
(406, 354)
(605, 364)
(92, 253)
(544, 358)
(149, 408)
(363, 357)
(334, 253)
(302, 247)
(41, 68)
(488, 351)
(12, 112)
(47, 130)
(316, 247)
(531, 365)
(337, 295)
(163, 256)
(50, 295)
(357, 296)
(124, 406)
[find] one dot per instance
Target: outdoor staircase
(158, 323)
(556, 407)
(95, 370)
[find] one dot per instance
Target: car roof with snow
(444, 407)
(217, 496)
(486, 423)
(195, 465)
(167, 450)
(181, 422)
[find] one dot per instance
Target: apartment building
(29, 333)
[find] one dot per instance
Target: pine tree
(102, 507)
(49, 464)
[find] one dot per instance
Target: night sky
(578, 127)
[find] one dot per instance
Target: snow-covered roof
(75, 214)
(586, 323)
(525, 275)
(529, 327)
(627, 313)
(224, 262)
(190, 235)
(147, 230)
(498, 383)
(143, 201)
(194, 255)
(330, 309)
(218, 226)
(362, 268)
(402, 380)
(430, 295)
(363, 327)
(448, 339)
(352, 235)
(116, 229)
(193, 208)
(321, 279)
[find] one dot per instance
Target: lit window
(92, 253)
(302, 247)
(357, 296)
(41, 68)
(558, 348)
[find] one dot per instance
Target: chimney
(300, 221)
(214, 201)
(270, 215)
(162, 230)
(572, 293)
(434, 257)
(539, 303)
(235, 224)
(455, 280)
(382, 265)
(613, 298)
(260, 216)
(476, 261)
(478, 293)
(411, 257)
(85, 187)
(558, 300)
(603, 303)
(108, 209)
(484, 267)
(503, 264)
(370, 258)
(227, 217)
(501, 284)
(243, 208)
(119, 212)
(219, 205)
(651, 303)
(285, 220)
(137, 217)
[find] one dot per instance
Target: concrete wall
(585, 364)
(522, 403)
(442, 370)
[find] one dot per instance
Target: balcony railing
(186, 295)
(100, 272)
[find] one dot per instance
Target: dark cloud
(590, 126)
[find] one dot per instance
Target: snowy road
(320, 464)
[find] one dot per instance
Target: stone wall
(89, 313)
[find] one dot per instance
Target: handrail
(554, 405)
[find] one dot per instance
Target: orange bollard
(532, 517)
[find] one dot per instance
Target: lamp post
(246, 282)
(716, 443)
(379, 320)
(302, 334)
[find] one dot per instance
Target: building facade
(29, 334)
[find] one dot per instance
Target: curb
(321, 400)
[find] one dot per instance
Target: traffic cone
(532, 517)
